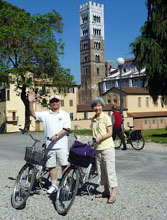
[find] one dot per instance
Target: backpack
(81, 154)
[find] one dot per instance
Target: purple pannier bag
(81, 154)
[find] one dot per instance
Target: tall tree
(30, 52)
(150, 49)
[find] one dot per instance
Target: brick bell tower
(91, 50)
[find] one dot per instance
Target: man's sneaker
(52, 188)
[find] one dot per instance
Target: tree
(150, 49)
(29, 52)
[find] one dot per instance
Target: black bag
(135, 135)
(81, 154)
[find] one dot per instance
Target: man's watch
(57, 136)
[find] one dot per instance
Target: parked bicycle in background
(132, 137)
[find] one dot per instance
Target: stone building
(92, 60)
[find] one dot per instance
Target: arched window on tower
(97, 58)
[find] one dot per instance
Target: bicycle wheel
(23, 186)
(118, 144)
(67, 191)
(139, 143)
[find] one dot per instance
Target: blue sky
(122, 22)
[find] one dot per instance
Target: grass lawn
(156, 135)
(152, 135)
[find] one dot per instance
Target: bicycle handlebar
(26, 132)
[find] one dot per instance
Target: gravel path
(136, 200)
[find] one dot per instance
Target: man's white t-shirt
(53, 124)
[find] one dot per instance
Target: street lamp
(120, 63)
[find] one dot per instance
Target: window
(71, 102)
(85, 45)
(85, 115)
(145, 122)
(85, 59)
(96, 32)
(98, 71)
(161, 121)
(7, 95)
(96, 19)
(153, 121)
(97, 58)
(85, 32)
(86, 71)
(71, 90)
(128, 124)
(85, 19)
(108, 99)
(147, 101)
(109, 113)
(97, 45)
(13, 116)
(115, 100)
(71, 116)
(139, 101)
(62, 102)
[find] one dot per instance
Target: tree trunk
(24, 98)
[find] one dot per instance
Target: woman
(105, 151)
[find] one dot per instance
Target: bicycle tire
(139, 143)
(67, 191)
(118, 144)
(23, 186)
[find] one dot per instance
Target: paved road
(141, 195)
(149, 164)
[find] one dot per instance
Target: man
(54, 121)
(117, 129)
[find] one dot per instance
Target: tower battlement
(91, 4)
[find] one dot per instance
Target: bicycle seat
(130, 126)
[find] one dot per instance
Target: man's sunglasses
(54, 100)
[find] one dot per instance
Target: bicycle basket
(135, 135)
(81, 154)
(34, 156)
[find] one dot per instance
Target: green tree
(30, 48)
(150, 49)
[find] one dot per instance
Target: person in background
(117, 129)
(54, 121)
(105, 151)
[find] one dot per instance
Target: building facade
(131, 77)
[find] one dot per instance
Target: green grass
(83, 132)
(156, 135)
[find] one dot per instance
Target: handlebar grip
(68, 130)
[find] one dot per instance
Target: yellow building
(12, 110)
(138, 109)
(138, 106)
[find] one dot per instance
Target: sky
(122, 22)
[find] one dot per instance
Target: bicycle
(75, 177)
(133, 137)
(34, 171)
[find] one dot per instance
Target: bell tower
(92, 60)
